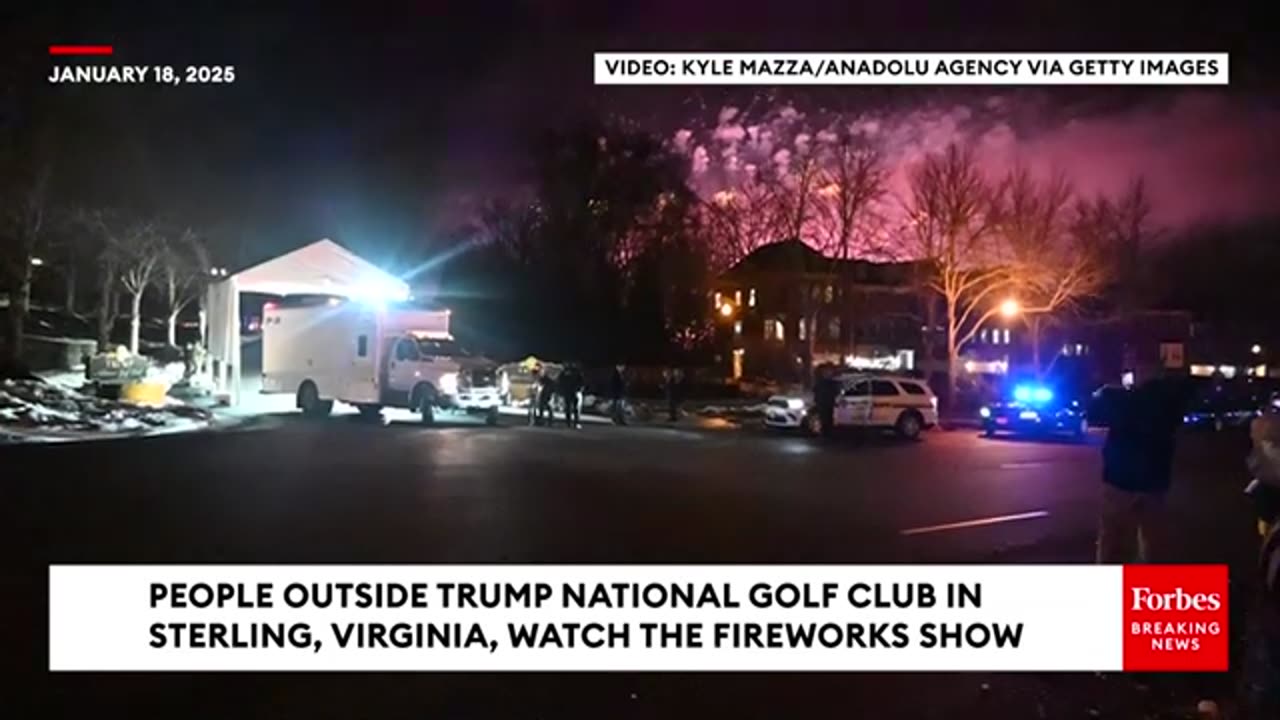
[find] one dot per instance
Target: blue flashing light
(1029, 393)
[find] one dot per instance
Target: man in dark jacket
(618, 393)
(825, 390)
(1137, 467)
(571, 383)
(673, 380)
(546, 394)
(535, 390)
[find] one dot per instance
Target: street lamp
(1256, 349)
(1010, 308)
(726, 310)
(37, 262)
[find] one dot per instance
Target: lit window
(800, 330)
(737, 327)
(833, 328)
(1066, 349)
(1006, 336)
(774, 330)
(717, 300)
(751, 297)
(829, 294)
(737, 298)
(1081, 349)
(983, 335)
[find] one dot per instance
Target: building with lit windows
(786, 303)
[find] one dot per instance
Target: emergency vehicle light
(430, 335)
(1029, 393)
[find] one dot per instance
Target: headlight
(449, 383)
(985, 412)
(795, 404)
(1028, 415)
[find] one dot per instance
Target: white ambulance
(374, 357)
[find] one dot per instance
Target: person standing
(1137, 468)
(825, 391)
(1261, 676)
(673, 379)
(571, 383)
(546, 394)
(535, 390)
(618, 394)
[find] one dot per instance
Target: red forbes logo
(1144, 598)
(1175, 617)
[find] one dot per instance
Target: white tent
(321, 268)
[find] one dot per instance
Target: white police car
(903, 404)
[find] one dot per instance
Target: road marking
(1021, 465)
(979, 522)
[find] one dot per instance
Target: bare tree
(98, 228)
(130, 254)
(508, 224)
(23, 220)
(950, 228)
(847, 224)
(796, 183)
(1131, 229)
(142, 248)
(183, 277)
(740, 220)
(1053, 268)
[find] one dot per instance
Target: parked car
(1034, 409)
(903, 404)
(1221, 404)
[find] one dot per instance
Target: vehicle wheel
(426, 404)
(370, 412)
(909, 425)
(812, 425)
(988, 432)
(310, 403)
(491, 417)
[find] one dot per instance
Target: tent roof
(322, 268)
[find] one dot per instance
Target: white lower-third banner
(487, 618)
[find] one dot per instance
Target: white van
(373, 358)
(903, 404)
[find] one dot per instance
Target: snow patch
(37, 406)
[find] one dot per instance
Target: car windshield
(435, 347)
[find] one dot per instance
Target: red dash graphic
(81, 50)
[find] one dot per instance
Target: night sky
(378, 125)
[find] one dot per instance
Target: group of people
(569, 384)
(544, 389)
(1136, 479)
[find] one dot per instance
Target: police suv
(903, 404)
